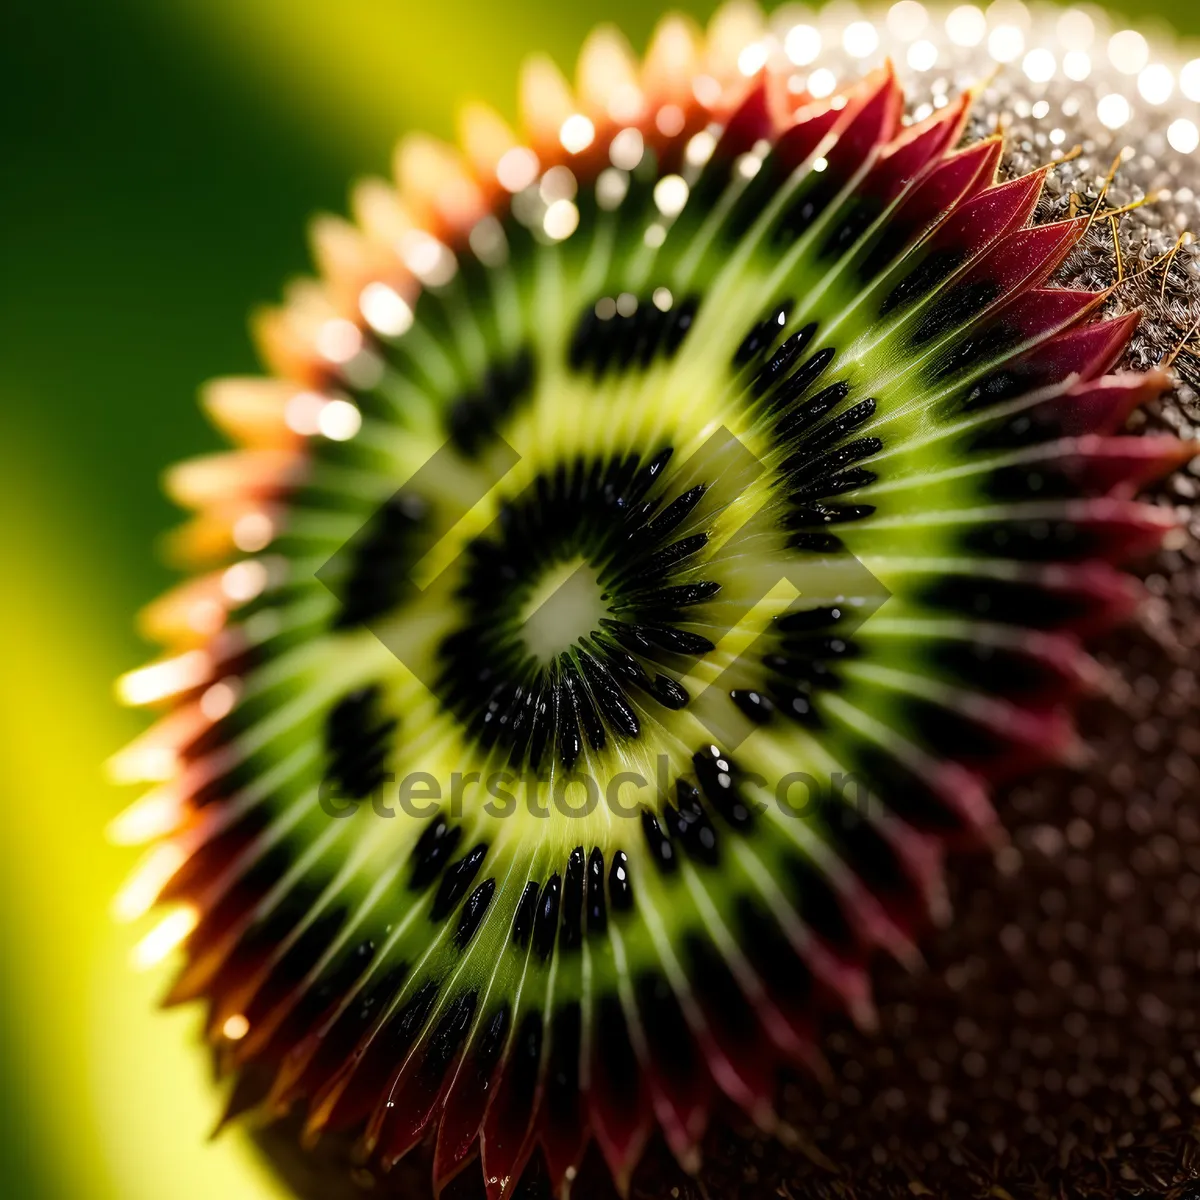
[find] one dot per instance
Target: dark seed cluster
(597, 511)
(628, 332)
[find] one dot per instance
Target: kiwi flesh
(760, 461)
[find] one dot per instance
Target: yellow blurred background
(158, 161)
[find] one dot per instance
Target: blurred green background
(158, 162)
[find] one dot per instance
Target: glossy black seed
(762, 336)
(682, 596)
(626, 666)
(584, 708)
(665, 1025)
(974, 352)
(569, 742)
(523, 918)
(807, 468)
(609, 697)
(715, 774)
(825, 514)
(927, 274)
(802, 379)
(675, 513)
(661, 849)
(455, 881)
(402, 1030)
(620, 888)
(432, 851)
(781, 361)
(358, 737)
(754, 704)
(674, 641)
(379, 561)
(689, 824)
(805, 416)
(650, 567)
(474, 911)
(546, 926)
(954, 309)
(597, 914)
(448, 1035)
(832, 485)
(491, 1042)
(809, 620)
(570, 934)
(669, 693)
(798, 706)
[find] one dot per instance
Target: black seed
(715, 774)
(522, 925)
(1009, 602)
(669, 693)
(754, 704)
(859, 843)
(690, 824)
(447, 1037)
(455, 882)
(780, 362)
(570, 935)
(401, 1031)
(927, 274)
(810, 468)
(954, 309)
(825, 514)
(609, 697)
(802, 379)
(674, 641)
(381, 555)
(661, 849)
(682, 596)
(833, 485)
(804, 416)
(652, 566)
(1032, 540)
(762, 335)
(570, 744)
(474, 911)
(809, 620)
(798, 705)
(546, 926)
(432, 851)
(620, 889)
(583, 707)
(491, 1043)
(358, 737)
(597, 916)
(675, 513)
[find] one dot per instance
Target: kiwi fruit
(656, 541)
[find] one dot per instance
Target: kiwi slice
(652, 542)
